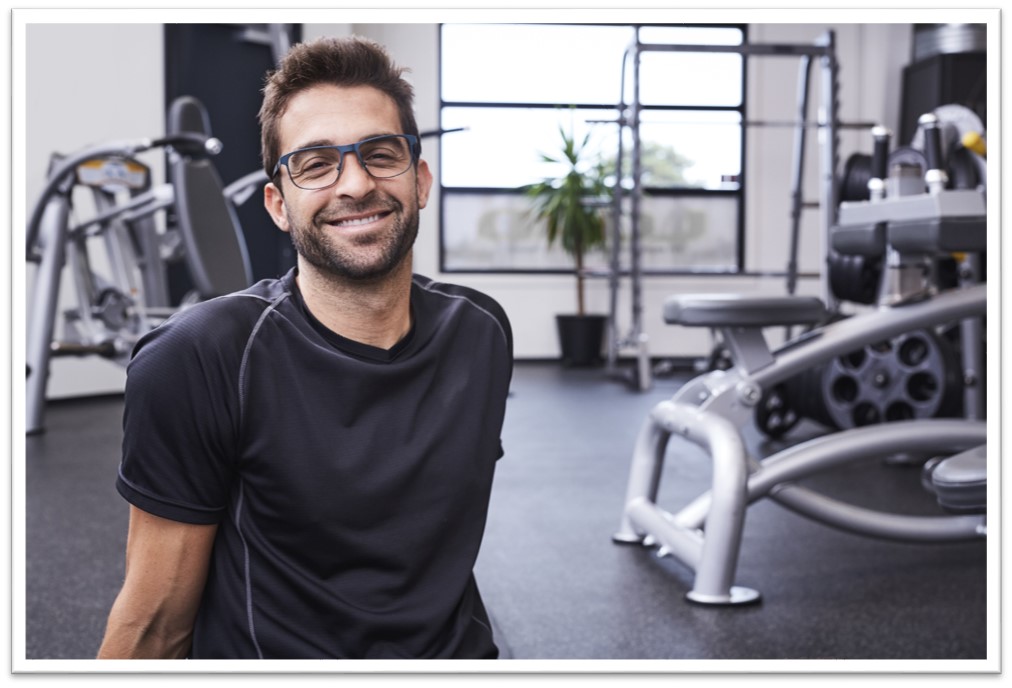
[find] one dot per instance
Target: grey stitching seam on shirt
(245, 355)
(247, 575)
(247, 572)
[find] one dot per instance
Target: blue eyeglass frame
(348, 148)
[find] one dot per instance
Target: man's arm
(166, 568)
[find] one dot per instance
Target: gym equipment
(629, 117)
(929, 373)
(712, 409)
(113, 310)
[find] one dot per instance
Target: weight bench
(710, 410)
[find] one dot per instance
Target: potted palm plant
(569, 205)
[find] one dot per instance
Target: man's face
(361, 227)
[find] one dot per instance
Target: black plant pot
(581, 338)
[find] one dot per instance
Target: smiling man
(309, 462)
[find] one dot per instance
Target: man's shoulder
(475, 300)
(219, 321)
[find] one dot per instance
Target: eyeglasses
(318, 167)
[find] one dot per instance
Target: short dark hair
(352, 61)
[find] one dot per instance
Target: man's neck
(377, 313)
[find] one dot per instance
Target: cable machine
(629, 118)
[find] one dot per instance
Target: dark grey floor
(556, 584)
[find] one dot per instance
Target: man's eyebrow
(329, 142)
(315, 144)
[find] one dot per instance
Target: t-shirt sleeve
(181, 418)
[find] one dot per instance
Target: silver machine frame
(53, 242)
(711, 410)
(825, 50)
(137, 254)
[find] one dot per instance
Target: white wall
(105, 82)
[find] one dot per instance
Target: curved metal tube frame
(709, 410)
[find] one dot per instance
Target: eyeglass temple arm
(440, 132)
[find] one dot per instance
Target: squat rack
(823, 48)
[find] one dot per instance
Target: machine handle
(932, 141)
(185, 143)
(935, 176)
(880, 152)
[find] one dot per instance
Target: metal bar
(726, 520)
(615, 248)
(749, 49)
(52, 228)
(829, 195)
(800, 123)
(971, 333)
(936, 435)
(797, 174)
(635, 266)
(644, 475)
(873, 523)
(63, 169)
(242, 188)
(944, 436)
(684, 545)
(846, 335)
(638, 337)
(153, 271)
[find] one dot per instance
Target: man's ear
(274, 202)
(424, 182)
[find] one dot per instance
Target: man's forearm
(166, 566)
(135, 638)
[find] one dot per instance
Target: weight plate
(905, 378)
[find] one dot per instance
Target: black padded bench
(736, 310)
(741, 319)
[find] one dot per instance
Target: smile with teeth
(358, 221)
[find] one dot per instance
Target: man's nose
(353, 180)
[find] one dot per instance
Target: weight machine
(115, 309)
(910, 230)
(629, 118)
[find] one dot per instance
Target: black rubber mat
(555, 583)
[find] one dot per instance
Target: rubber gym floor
(555, 583)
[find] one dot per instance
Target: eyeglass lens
(384, 156)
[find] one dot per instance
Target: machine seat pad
(736, 310)
(960, 481)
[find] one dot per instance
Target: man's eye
(382, 156)
(314, 166)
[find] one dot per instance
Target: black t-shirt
(350, 484)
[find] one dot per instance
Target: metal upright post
(798, 171)
(615, 249)
(42, 313)
(638, 337)
(829, 127)
(829, 132)
(971, 332)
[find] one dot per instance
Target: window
(509, 87)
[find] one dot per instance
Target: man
(309, 462)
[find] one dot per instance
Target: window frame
(739, 193)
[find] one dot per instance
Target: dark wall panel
(219, 65)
